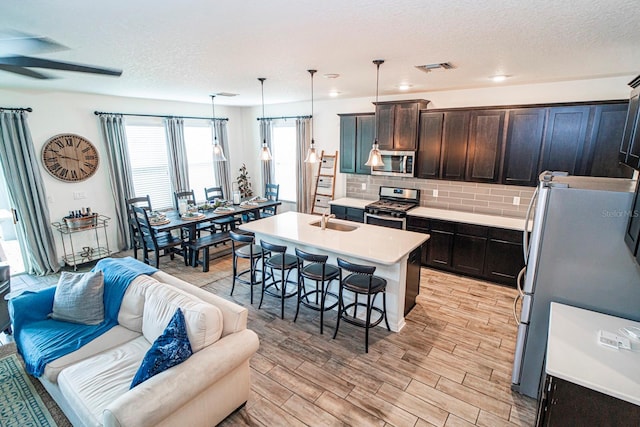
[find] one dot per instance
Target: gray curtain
(121, 178)
(267, 167)
(304, 171)
(221, 169)
(177, 152)
(21, 172)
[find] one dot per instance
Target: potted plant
(244, 185)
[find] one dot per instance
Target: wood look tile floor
(449, 366)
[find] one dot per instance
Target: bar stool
(242, 246)
(361, 281)
(274, 257)
(322, 273)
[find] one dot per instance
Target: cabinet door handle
(14, 214)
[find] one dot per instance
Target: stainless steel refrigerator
(576, 255)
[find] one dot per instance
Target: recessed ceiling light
(404, 86)
(331, 76)
(334, 93)
(498, 78)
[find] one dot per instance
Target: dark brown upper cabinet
(601, 155)
(524, 140)
(455, 136)
(630, 146)
(356, 138)
(564, 139)
(486, 132)
(398, 124)
(430, 145)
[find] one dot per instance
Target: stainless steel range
(391, 209)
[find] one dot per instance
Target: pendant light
(265, 153)
(312, 157)
(218, 154)
(375, 159)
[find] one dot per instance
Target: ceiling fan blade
(24, 71)
(28, 61)
(14, 42)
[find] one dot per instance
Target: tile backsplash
(492, 199)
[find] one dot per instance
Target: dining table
(175, 221)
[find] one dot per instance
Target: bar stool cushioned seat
(361, 281)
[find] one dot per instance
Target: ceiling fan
(14, 44)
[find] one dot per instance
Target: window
(197, 139)
(147, 143)
(283, 145)
(149, 163)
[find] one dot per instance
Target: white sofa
(91, 385)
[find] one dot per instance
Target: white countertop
(574, 354)
(373, 243)
(470, 218)
(351, 202)
(446, 214)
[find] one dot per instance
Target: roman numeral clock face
(70, 157)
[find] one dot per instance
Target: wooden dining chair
(152, 242)
(272, 193)
(223, 224)
(134, 233)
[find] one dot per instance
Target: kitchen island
(395, 253)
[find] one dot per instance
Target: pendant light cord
(262, 79)
(213, 119)
(312, 72)
(378, 62)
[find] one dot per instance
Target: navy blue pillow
(170, 349)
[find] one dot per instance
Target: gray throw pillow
(79, 298)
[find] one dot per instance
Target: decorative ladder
(325, 183)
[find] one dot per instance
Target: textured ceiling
(187, 50)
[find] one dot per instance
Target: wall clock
(69, 157)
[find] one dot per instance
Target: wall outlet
(364, 185)
(516, 201)
(78, 195)
(435, 193)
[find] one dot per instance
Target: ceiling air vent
(442, 66)
(226, 94)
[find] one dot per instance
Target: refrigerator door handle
(525, 232)
(515, 308)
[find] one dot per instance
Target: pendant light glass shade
(375, 159)
(218, 154)
(312, 157)
(265, 153)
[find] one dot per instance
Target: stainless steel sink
(335, 226)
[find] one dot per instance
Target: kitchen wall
(59, 112)
(492, 199)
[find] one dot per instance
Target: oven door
(385, 221)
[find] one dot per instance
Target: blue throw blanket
(41, 340)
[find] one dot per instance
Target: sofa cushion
(114, 337)
(203, 320)
(170, 349)
(79, 298)
(91, 385)
(131, 309)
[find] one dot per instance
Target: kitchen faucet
(325, 220)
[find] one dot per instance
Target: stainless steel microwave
(396, 163)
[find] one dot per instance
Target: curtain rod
(98, 113)
(28, 109)
(284, 117)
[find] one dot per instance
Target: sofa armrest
(153, 400)
(31, 306)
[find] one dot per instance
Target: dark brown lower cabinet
(348, 213)
(469, 249)
(564, 403)
(489, 253)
